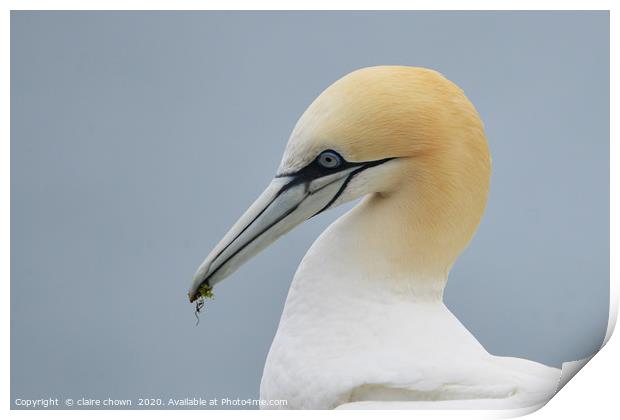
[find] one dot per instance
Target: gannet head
(388, 131)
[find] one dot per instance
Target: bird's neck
(406, 237)
(367, 289)
(376, 250)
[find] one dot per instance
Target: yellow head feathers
(405, 137)
(384, 111)
(417, 115)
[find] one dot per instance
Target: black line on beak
(294, 181)
(305, 175)
(250, 223)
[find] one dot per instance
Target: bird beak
(288, 201)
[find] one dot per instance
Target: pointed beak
(286, 202)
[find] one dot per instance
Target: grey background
(138, 138)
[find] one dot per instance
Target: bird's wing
(512, 384)
(473, 404)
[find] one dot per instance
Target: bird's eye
(329, 159)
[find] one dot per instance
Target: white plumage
(364, 325)
(348, 334)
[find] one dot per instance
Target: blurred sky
(138, 138)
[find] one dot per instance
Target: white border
(308, 5)
(593, 394)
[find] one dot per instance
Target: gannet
(364, 324)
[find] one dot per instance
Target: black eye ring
(329, 159)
